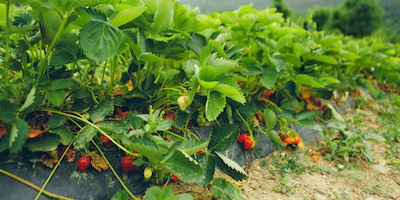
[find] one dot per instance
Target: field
(105, 94)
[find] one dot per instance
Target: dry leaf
(70, 155)
(119, 114)
(35, 132)
(49, 158)
(98, 162)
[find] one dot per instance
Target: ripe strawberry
(147, 173)
(199, 152)
(242, 137)
(282, 136)
(175, 178)
(289, 140)
(168, 139)
(297, 139)
(183, 102)
(127, 164)
(248, 143)
(106, 140)
(83, 163)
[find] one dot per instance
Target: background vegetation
(302, 9)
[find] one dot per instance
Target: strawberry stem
(54, 170)
(49, 194)
(248, 127)
(115, 173)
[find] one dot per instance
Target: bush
(281, 7)
(358, 17)
(321, 17)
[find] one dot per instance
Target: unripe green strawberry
(183, 102)
(147, 173)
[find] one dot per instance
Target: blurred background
(359, 18)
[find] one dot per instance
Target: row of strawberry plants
(73, 69)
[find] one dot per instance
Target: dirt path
(306, 179)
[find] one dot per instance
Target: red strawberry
(127, 164)
(105, 139)
(248, 143)
(83, 163)
(199, 152)
(175, 178)
(242, 137)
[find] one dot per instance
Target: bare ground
(322, 179)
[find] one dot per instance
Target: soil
(322, 179)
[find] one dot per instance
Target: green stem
(7, 42)
(113, 65)
(115, 173)
(54, 170)
(247, 125)
(49, 194)
(176, 135)
(91, 124)
(49, 49)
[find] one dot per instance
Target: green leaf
(114, 125)
(207, 76)
(169, 73)
(269, 78)
(44, 142)
(375, 137)
(269, 119)
(62, 57)
(276, 140)
(127, 15)
(284, 40)
(56, 97)
(66, 135)
(19, 134)
(155, 193)
(222, 137)
(150, 57)
(305, 79)
(223, 37)
(230, 92)
(184, 196)
(325, 59)
(226, 190)
(56, 121)
(8, 111)
(207, 162)
(279, 62)
(221, 65)
(84, 136)
(145, 146)
(190, 146)
(60, 84)
(121, 195)
(289, 104)
(196, 43)
(205, 54)
(164, 125)
(50, 23)
(100, 40)
(306, 115)
(183, 166)
(294, 60)
(229, 167)
(29, 100)
(215, 104)
(104, 109)
(164, 15)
